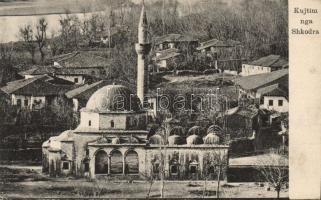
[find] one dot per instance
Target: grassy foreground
(26, 183)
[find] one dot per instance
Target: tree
(41, 36)
(27, 35)
(274, 170)
(70, 32)
(6, 63)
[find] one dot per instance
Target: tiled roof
(166, 54)
(82, 59)
(261, 80)
(38, 70)
(273, 90)
(37, 86)
(42, 70)
(270, 61)
(218, 43)
(75, 71)
(85, 91)
(174, 38)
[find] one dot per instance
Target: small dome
(115, 140)
(212, 138)
(177, 130)
(113, 98)
(214, 129)
(175, 140)
(129, 140)
(194, 140)
(195, 130)
(102, 140)
(156, 139)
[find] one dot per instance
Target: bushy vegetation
(261, 26)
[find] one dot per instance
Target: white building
(36, 92)
(269, 90)
(274, 98)
(264, 65)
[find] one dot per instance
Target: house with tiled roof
(81, 59)
(36, 92)
(213, 44)
(265, 64)
(170, 47)
(173, 40)
(167, 58)
(222, 54)
(76, 75)
(269, 90)
(76, 65)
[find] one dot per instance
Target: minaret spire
(143, 27)
(143, 48)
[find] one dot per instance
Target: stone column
(124, 165)
(109, 163)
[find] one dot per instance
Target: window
(280, 102)
(65, 165)
(89, 123)
(26, 102)
(270, 102)
(93, 73)
(86, 167)
(174, 169)
(261, 100)
(76, 80)
(156, 168)
(112, 124)
(18, 102)
(193, 169)
(87, 152)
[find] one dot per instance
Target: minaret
(143, 48)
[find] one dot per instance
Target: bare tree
(41, 36)
(274, 170)
(70, 32)
(27, 35)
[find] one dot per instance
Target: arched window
(101, 162)
(116, 162)
(131, 162)
(89, 123)
(112, 124)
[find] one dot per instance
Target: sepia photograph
(144, 99)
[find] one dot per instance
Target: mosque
(112, 137)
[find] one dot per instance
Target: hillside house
(221, 48)
(182, 42)
(264, 65)
(269, 90)
(76, 75)
(167, 59)
(222, 54)
(275, 98)
(36, 92)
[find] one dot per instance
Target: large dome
(113, 98)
